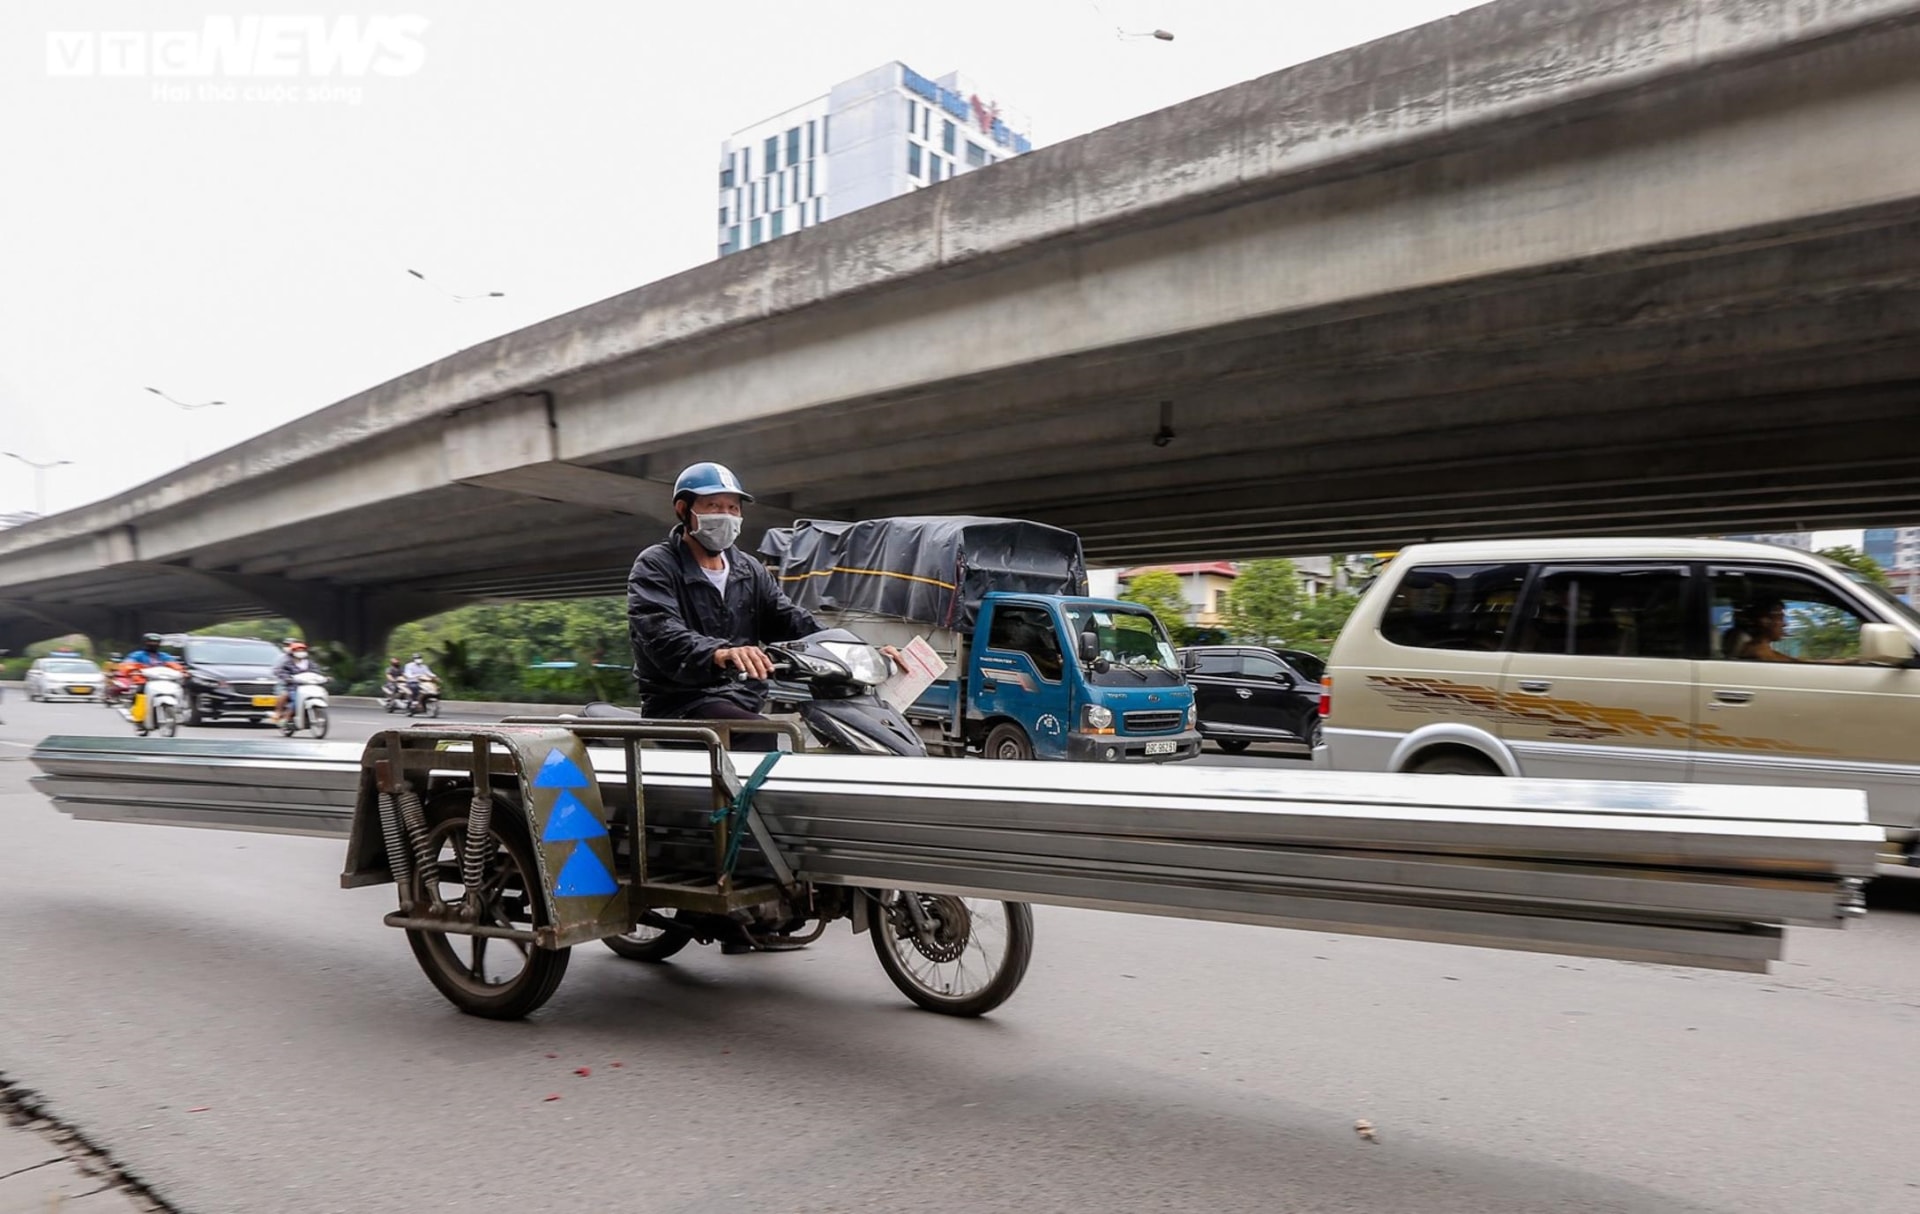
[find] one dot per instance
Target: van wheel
(1454, 763)
(1007, 741)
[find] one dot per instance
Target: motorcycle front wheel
(317, 720)
(974, 957)
(166, 720)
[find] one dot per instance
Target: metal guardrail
(1687, 874)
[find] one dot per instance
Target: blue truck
(1035, 668)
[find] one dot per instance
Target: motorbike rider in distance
(150, 652)
(416, 670)
(294, 662)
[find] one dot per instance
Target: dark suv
(229, 677)
(1248, 694)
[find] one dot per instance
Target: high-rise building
(1803, 540)
(883, 133)
(1880, 543)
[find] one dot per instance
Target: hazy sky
(251, 245)
(253, 249)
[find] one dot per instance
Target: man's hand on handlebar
(747, 659)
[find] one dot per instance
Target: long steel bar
(1691, 874)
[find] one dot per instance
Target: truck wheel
(1232, 746)
(1007, 741)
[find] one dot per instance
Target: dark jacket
(676, 620)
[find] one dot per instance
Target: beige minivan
(1632, 659)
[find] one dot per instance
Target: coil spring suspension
(413, 817)
(399, 856)
(479, 849)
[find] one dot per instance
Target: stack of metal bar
(1683, 874)
(285, 786)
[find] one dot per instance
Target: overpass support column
(356, 619)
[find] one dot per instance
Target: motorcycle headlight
(863, 662)
(1099, 716)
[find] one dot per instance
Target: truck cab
(1053, 677)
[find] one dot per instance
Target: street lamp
(1120, 31)
(39, 478)
(457, 298)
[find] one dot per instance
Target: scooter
(423, 699)
(156, 702)
(831, 681)
(308, 709)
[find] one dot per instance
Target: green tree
(1159, 592)
(1321, 620)
(1265, 602)
(1859, 562)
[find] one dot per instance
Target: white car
(64, 679)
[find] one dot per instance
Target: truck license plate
(1161, 748)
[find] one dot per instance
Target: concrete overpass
(1648, 266)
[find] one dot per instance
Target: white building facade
(882, 134)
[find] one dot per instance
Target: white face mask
(716, 532)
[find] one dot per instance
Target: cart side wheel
(496, 978)
(975, 961)
(645, 943)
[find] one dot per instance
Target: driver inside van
(1755, 629)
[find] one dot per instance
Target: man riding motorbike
(150, 652)
(295, 661)
(698, 611)
(413, 672)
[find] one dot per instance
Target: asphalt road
(245, 1036)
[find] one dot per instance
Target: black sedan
(229, 677)
(1249, 694)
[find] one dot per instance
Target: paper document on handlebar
(923, 665)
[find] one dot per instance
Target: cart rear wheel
(646, 943)
(975, 960)
(496, 978)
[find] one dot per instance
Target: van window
(1616, 611)
(1768, 615)
(1028, 630)
(1453, 606)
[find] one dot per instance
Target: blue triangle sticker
(571, 820)
(560, 772)
(583, 876)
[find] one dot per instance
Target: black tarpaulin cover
(930, 570)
